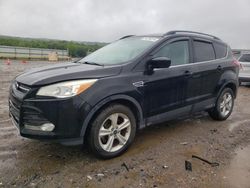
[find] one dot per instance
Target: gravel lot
(156, 159)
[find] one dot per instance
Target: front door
(166, 89)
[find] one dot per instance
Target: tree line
(76, 49)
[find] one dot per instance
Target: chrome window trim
(188, 64)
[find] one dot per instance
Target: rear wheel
(224, 105)
(112, 131)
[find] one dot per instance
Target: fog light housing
(47, 127)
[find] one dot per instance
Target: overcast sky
(107, 20)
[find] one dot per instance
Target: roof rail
(191, 32)
(127, 36)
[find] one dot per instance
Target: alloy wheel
(226, 104)
(114, 132)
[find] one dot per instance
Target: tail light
(237, 64)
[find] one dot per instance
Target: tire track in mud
(7, 129)
(237, 124)
(5, 123)
(8, 140)
(7, 154)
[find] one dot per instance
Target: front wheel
(112, 131)
(224, 105)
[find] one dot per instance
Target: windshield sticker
(151, 39)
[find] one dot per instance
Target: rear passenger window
(220, 50)
(177, 51)
(203, 51)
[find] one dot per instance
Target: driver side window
(177, 51)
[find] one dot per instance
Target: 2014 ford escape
(127, 85)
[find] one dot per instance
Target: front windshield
(120, 51)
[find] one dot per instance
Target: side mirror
(158, 63)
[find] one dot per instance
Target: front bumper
(66, 114)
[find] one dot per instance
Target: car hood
(65, 71)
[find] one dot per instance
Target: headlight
(66, 89)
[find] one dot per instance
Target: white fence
(14, 52)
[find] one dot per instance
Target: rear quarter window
(220, 50)
(203, 51)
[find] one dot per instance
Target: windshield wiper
(92, 63)
(77, 60)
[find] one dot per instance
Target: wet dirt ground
(156, 158)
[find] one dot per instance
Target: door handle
(219, 68)
(187, 74)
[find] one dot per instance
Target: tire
(112, 131)
(223, 109)
(240, 83)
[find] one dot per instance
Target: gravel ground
(156, 158)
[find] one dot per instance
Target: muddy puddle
(238, 172)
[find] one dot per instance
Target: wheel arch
(125, 100)
(228, 79)
(230, 84)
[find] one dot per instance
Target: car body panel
(65, 71)
(244, 75)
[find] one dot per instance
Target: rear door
(210, 67)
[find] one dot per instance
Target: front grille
(14, 108)
(23, 112)
(21, 87)
(33, 116)
(17, 93)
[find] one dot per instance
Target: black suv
(127, 85)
